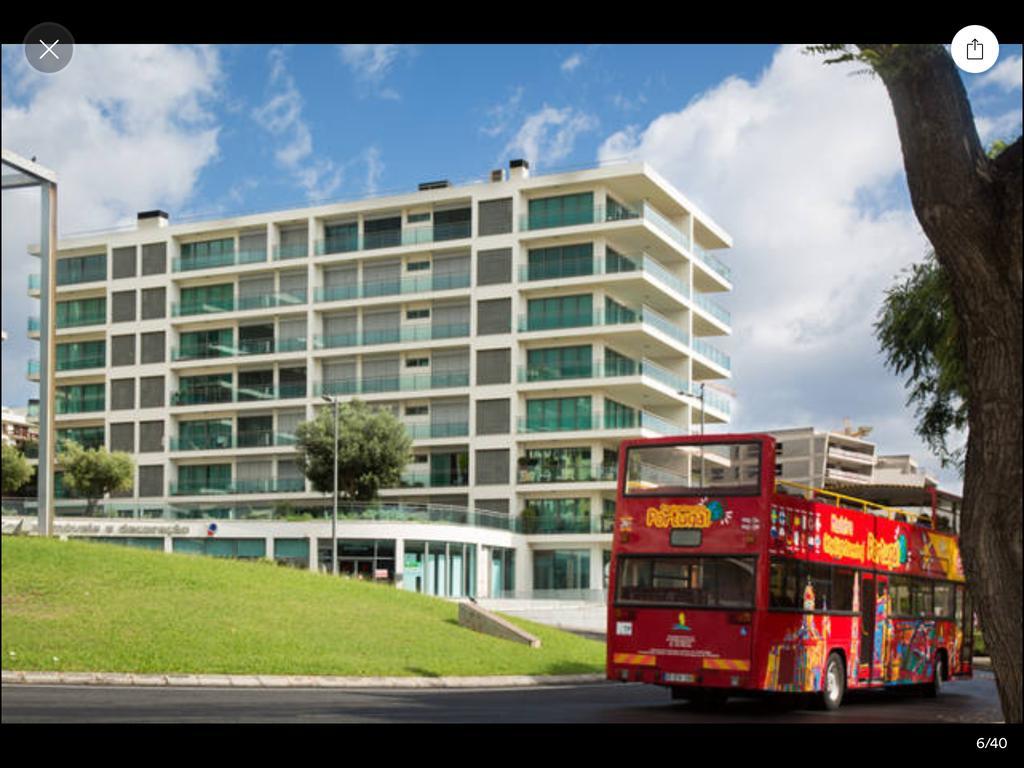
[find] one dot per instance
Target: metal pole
(47, 354)
(702, 434)
(334, 517)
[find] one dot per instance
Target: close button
(49, 47)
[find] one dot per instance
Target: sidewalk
(291, 681)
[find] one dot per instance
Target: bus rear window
(690, 469)
(707, 582)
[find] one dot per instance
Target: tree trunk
(970, 208)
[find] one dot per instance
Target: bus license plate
(672, 677)
(624, 628)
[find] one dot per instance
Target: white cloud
(1005, 126)
(126, 128)
(549, 135)
(802, 167)
(1006, 75)
(500, 116)
(281, 117)
(371, 64)
(374, 170)
(572, 63)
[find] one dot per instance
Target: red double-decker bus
(722, 583)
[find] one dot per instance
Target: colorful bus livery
(721, 583)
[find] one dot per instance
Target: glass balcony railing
(641, 263)
(392, 336)
(413, 382)
(91, 274)
(245, 347)
(80, 362)
(203, 308)
(554, 523)
(33, 369)
(83, 405)
(291, 251)
(417, 284)
(712, 398)
(231, 304)
(644, 315)
(427, 479)
(658, 220)
(35, 284)
(393, 238)
(585, 473)
(268, 485)
(712, 307)
(596, 215)
(712, 353)
(244, 439)
(272, 300)
(602, 369)
(227, 259)
(34, 325)
(70, 320)
(431, 431)
(228, 394)
(712, 261)
(593, 421)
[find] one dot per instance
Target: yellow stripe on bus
(635, 659)
(733, 665)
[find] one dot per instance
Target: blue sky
(798, 161)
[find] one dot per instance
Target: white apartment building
(520, 327)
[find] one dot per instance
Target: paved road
(972, 701)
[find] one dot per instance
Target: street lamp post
(334, 515)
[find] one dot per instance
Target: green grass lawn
(80, 606)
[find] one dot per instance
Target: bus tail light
(744, 617)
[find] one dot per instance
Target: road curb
(290, 681)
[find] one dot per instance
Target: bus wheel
(834, 683)
(933, 688)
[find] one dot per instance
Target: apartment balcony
(232, 304)
(437, 431)
(586, 473)
(33, 370)
(643, 315)
(90, 274)
(831, 473)
(83, 405)
(534, 523)
(713, 308)
(292, 251)
(595, 421)
(217, 260)
(392, 336)
(712, 263)
(35, 285)
(712, 353)
(246, 347)
(79, 319)
(427, 479)
(712, 399)
(240, 440)
(855, 456)
(401, 286)
(603, 370)
(393, 238)
(34, 327)
(81, 362)
(598, 214)
(408, 383)
(640, 264)
(231, 394)
(238, 487)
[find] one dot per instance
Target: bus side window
(899, 588)
(944, 600)
(842, 589)
(783, 584)
(921, 592)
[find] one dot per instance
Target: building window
(417, 362)
(561, 569)
(417, 266)
(417, 314)
(417, 410)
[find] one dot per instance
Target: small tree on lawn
(373, 449)
(92, 474)
(16, 470)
